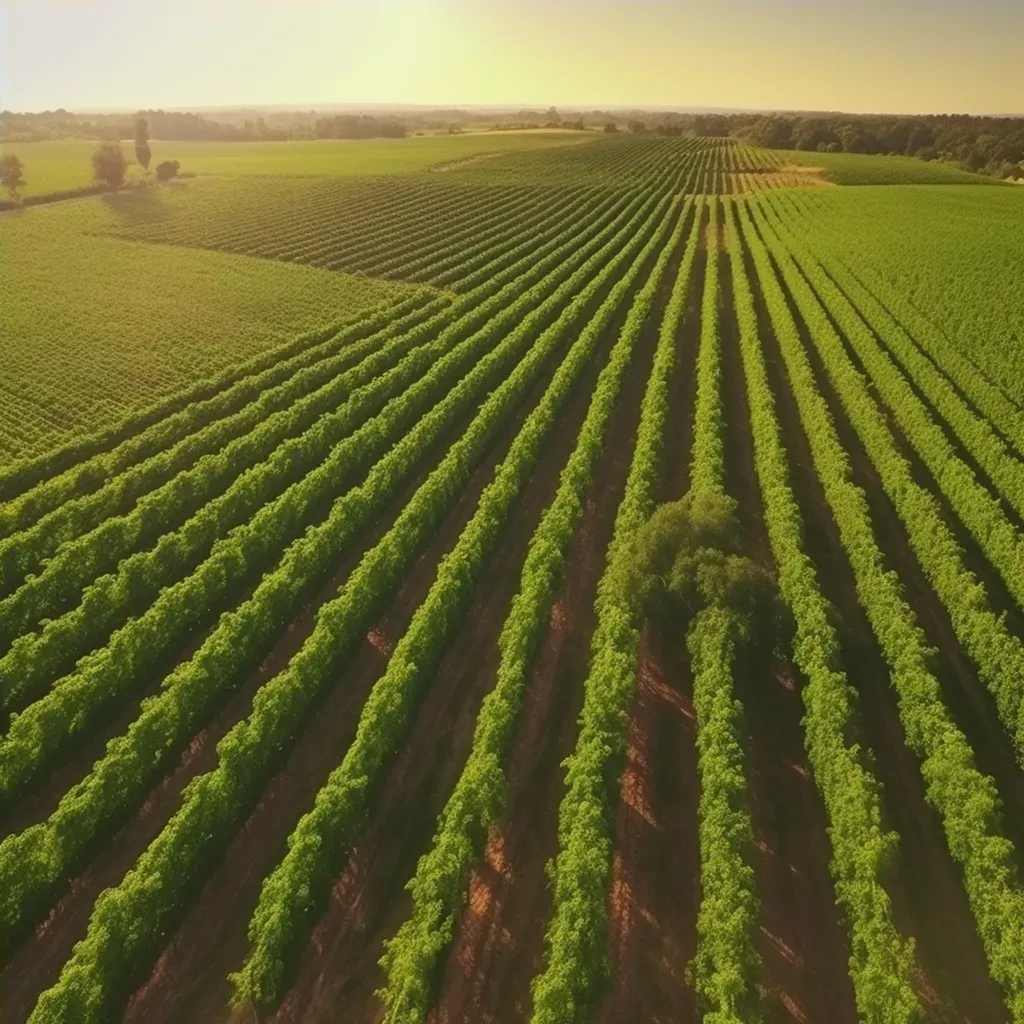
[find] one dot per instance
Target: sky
(908, 56)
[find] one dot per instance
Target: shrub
(167, 170)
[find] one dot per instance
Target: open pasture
(363, 683)
(65, 164)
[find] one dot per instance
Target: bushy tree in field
(687, 557)
(12, 175)
(142, 151)
(167, 170)
(611, 128)
(109, 165)
(636, 127)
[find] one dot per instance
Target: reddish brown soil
(36, 964)
(655, 891)
(190, 979)
(966, 695)
(654, 895)
(802, 943)
(369, 903)
(499, 942)
(929, 903)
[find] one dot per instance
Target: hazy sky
(855, 55)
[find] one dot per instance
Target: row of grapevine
(149, 897)
(883, 304)
(980, 512)
(497, 224)
(382, 253)
(46, 727)
(881, 962)
(33, 489)
(726, 966)
(373, 385)
(295, 891)
(973, 431)
(441, 877)
(965, 799)
(237, 643)
(158, 439)
(502, 266)
(985, 636)
(261, 219)
(575, 956)
(88, 536)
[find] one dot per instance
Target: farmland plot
(620, 620)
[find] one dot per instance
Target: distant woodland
(987, 145)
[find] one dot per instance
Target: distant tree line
(182, 126)
(359, 126)
(987, 145)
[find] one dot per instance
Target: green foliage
(864, 169)
(86, 358)
(166, 169)
(951, 260)
(727, 968)
(232, 479)
(427, 230)
(109, 165)
(686, 567)
(966, 800)
(45, 728)
(64, 164)
(296, 890)
(439, 886)
(686, 557)
(575, 952)
(217, 802)
(881, 961)
(12, 175)
(998, 653)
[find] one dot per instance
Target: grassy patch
(54, 166)
(955, 253)
(863, 169)
(94, 327)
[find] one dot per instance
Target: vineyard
(573, 583)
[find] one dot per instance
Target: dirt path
(654, 896)
(966, 695)
(929, 903)
(655, 892)
(499, 942)
(340, 964)
(37, 962)
(190, 979)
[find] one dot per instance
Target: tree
(611, 128)
(12, 175)
(109, 165)
(142, 151)
(636, 127)
(167, 170)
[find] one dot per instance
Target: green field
(92, 327)
(55, 166)
(581, 585)
(869, 169)
(955, 253)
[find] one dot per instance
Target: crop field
(581, 585)
(65, 164)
